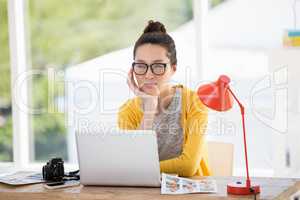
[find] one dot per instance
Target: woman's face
(149, 82)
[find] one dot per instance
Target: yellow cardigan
(193, 160)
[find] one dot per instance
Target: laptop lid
(118, 158)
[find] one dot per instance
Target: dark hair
(155, 33)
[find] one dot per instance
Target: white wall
(250, 23)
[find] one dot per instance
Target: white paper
(177, 185)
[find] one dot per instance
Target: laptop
(118, 158)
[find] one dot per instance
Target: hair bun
(155, 27)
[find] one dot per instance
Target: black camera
(54, 170)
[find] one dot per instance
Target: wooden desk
(272, 188)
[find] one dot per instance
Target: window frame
(18, 67)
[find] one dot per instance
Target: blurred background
(78, 47)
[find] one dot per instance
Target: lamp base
(238, 188)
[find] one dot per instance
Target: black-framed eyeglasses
(142, 68)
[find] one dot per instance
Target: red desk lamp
(218, 96)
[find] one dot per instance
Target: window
(64, 33)
(214, 3)
(6, 151)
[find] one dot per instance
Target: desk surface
(272, 188)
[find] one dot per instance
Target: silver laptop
(118, 158)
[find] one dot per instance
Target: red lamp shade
(216, 95)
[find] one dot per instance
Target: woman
(173, 111)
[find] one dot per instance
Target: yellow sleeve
(127, 118)
(188, 162)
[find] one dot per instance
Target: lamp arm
(242, 108)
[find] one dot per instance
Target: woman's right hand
(150, 103)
